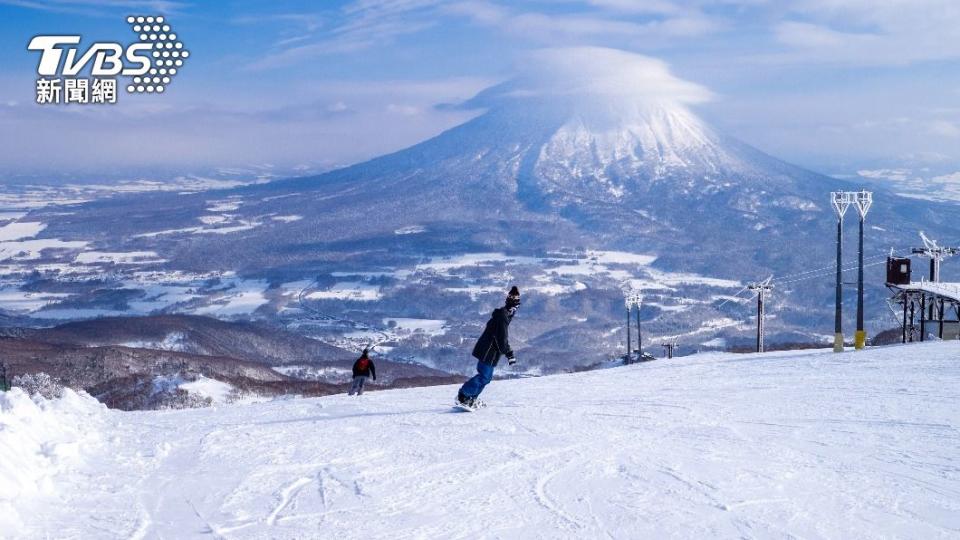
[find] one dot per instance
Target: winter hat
(513, 297)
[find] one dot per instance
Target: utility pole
(841, 202)
(761, 289)
(668, 347)
(863, 201)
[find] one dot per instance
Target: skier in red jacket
(362, 369)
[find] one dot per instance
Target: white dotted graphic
(167, 53)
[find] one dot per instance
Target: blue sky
(834, 85)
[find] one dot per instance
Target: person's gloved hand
(512, 360)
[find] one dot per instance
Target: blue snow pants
(475, 385)
(357, 386)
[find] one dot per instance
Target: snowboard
(466, 408)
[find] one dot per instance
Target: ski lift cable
(873, 261)
(738, 293)
(828, 267)
(826, 274)
(802, 277)
(832, 267)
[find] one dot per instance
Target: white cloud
(868, 32)
(945, 128)
(366, 24)
(405, 110)
(309, 22)
(555, 28)
(809, 35)
(952, 177)
(327, 123)
(659, 7)
(358, 26)
(886, 174)
(596, 70)
(94, 8)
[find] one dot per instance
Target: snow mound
(40, 440)
(217, 391)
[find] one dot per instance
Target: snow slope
(804, 444)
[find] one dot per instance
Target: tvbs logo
(150, 63)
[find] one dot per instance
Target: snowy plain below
(782, 445)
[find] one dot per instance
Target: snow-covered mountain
(606, 154)
(588, 172)
(805, 444)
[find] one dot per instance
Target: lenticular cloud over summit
(602, 72)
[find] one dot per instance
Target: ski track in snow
(285, 496)
(800, 444)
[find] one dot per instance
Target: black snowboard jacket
(495, 341)
(371, 370)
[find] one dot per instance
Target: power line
(784, 281)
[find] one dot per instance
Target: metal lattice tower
(761, 289)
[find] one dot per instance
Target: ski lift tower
(863, 200)
(633, 297)
(761, 289)
(936, 253)
(841, 201)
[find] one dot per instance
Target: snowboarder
(362, 369)
(493, 343)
